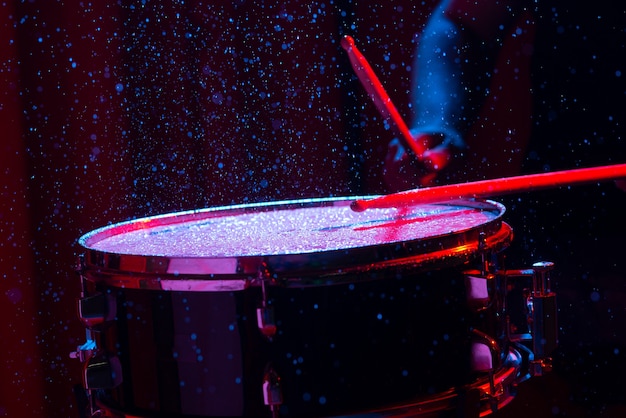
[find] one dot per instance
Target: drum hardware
(516, 331)
(482, 364)
(478, 298)
(96, 310)
(478, 290)
(544, 321)
(265, 313)
(481, 284)
(482, 250)
(100, 369)
(85, 350)
(541, 317)
(91, 313)
(272, 392)
(495, 352)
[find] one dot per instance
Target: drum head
(300, 242)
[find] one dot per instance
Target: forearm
(438, 94)
(454, 62)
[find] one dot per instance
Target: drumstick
(494, 187)
(379, 96)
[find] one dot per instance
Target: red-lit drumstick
(377, 93)
(495, 187)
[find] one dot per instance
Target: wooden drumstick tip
(347, 42)
(358, 206)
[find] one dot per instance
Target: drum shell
(379, 338)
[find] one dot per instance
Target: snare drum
(299, 308)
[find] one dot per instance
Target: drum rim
(327, 267)
(496, 392)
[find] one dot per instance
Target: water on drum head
(300, 230)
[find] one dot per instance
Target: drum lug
(479, 363)
(265, 312)
(102, 371)
(272, 392)
(544, 319)
(266, 321)
(488, 265)
(96, 310)
(478, 289)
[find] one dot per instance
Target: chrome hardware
(541, 285)
(272, 392)
(494, 352)
(481, 364)
(102, 371)
(516, 331)
(478, 289)
(266, 321)
(96, 310)
(265, 313)
(482, 247)
(541, 313)
(544, 326)
(94, 307)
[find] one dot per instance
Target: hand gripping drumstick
(495, 187)
(379, 96)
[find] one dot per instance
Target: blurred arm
(453, 64)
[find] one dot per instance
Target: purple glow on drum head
(281, 231)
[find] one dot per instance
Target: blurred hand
(403, 171)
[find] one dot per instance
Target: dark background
(118, 110)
